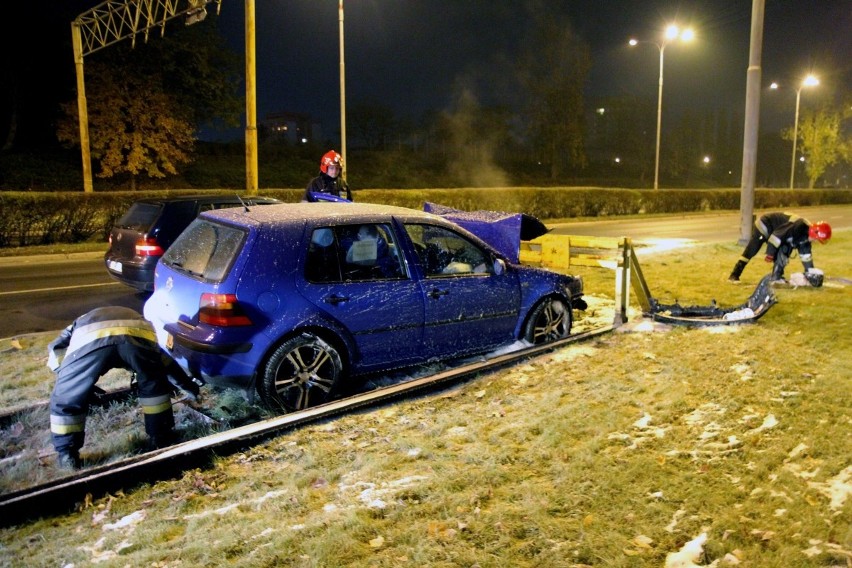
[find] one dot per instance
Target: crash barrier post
(564, 251)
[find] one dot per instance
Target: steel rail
(62, 495)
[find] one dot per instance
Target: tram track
(63, 495)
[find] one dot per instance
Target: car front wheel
(304, 371)
(549, 321)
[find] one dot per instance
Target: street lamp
(809, 81)
(673, 33)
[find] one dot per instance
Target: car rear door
(378, 303)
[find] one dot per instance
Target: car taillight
(148, 247)
(221, 310)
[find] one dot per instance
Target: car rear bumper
(135, 276)
(181, 340)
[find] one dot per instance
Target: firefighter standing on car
(330, 180)
(103, 339)
(782, 233)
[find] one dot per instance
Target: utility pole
(342, 93)
(82, 108)
(752, 120)
(251, 102)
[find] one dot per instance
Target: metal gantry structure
(117, 20)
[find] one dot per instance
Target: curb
(47, 258)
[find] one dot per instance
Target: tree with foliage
(554, 70)
(134, 126)
(821, 140)
(146, 103)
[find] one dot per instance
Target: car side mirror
(499, 266)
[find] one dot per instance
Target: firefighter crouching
(103, 339)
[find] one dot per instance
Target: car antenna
(244, 203)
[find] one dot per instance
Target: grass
(614, 452)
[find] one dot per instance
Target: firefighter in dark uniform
(103, 339)
(782, 233)
(329, 185)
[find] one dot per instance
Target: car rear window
(205, 250)
(140, 216)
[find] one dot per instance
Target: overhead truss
(115, 20)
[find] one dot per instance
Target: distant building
(292, 127)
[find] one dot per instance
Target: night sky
(413, 54)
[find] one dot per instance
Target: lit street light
(810, 81)
(672, 33)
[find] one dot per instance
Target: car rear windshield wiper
(180, 267)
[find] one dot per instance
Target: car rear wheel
(304, 371)
(549, 321)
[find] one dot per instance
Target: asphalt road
(710, 227)
(45, 293)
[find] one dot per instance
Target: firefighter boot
(159, 422)
(734, 278)
(68, 460)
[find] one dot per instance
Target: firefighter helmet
(330, 158)
(820, 231)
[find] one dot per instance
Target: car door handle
(436, 293)
(335, 299)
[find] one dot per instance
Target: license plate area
(114, 265)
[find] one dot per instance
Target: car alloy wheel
(302, 372)
(549, 321)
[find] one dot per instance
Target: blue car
(296, 301)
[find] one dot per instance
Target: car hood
(503, 231)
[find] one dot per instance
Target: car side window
(322, 263)
(443, 252)
(353, 253)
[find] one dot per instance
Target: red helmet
(330, 158)
(820, 231)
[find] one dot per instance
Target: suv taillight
(222, 310)
(148, 247)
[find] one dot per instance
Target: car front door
(469, 306)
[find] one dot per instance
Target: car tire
(302, 372)
(549, 321)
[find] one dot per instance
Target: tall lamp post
(673, 33)
(809, 81)
(342, 92)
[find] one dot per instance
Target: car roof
(207, 198)
(312, 212)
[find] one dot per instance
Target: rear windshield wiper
(182, 268)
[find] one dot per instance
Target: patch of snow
(689, 554)
(769, 422)
(836, 489)
(126, 521)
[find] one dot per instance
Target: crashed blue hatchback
(297, 301)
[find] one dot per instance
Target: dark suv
(141, 236)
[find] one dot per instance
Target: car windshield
(205, 250)
(140, 216)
